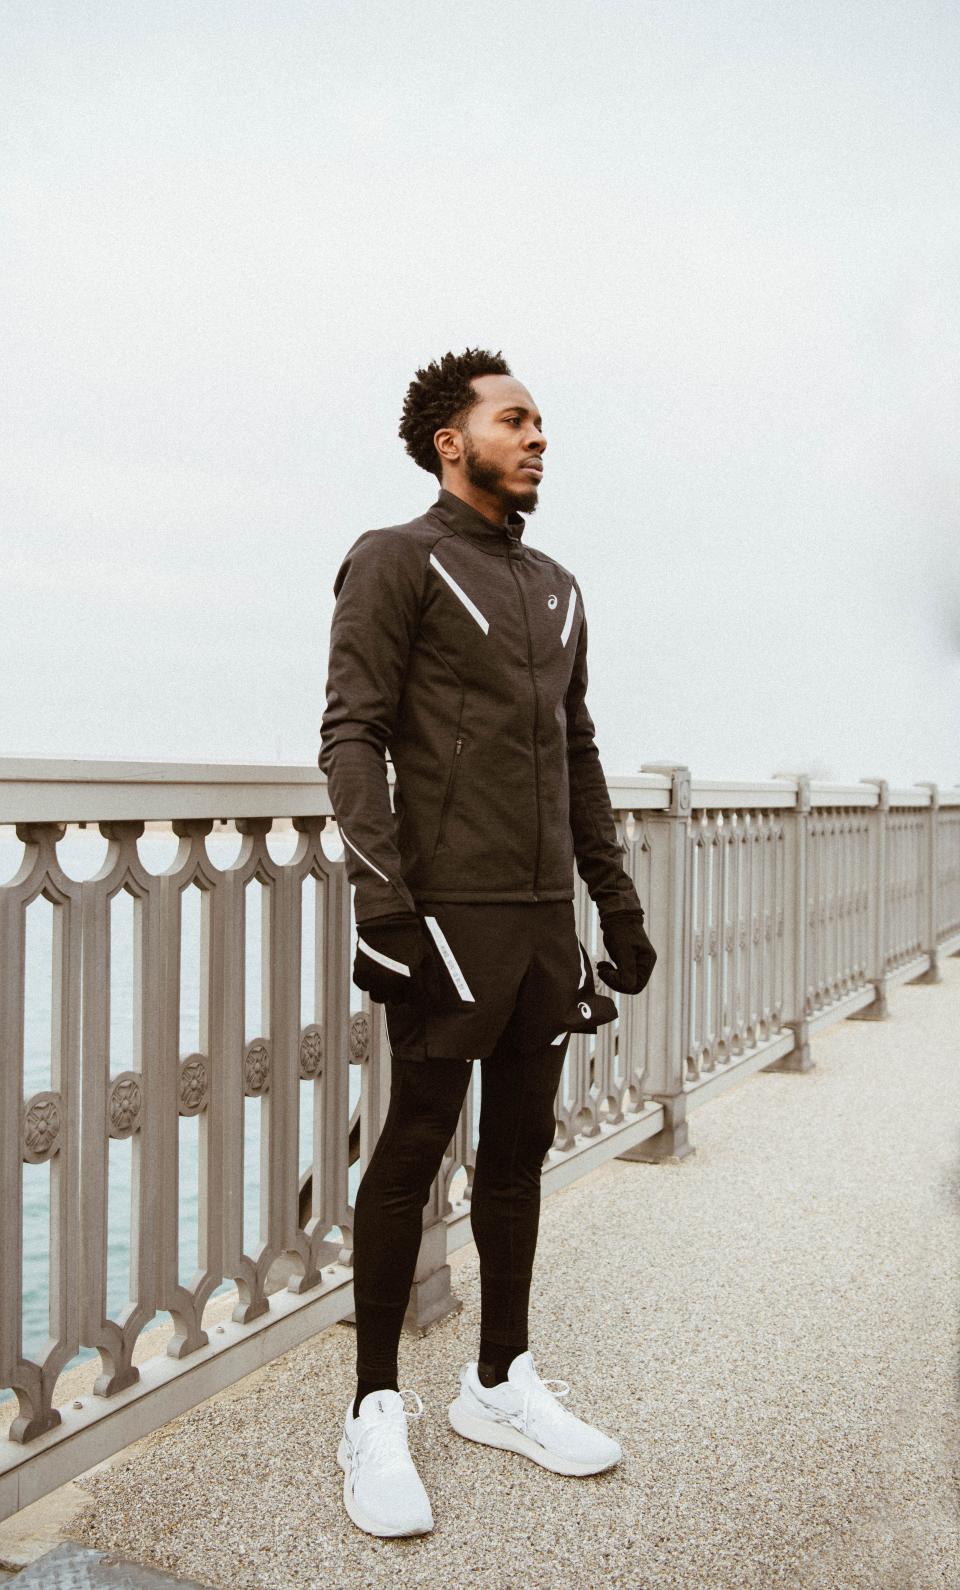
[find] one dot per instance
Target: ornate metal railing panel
(837, 904)
(736, 963)
(907, 886)
(39, 1127)
(947, 911)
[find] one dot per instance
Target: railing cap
(65, 789)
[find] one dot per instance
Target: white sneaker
(523, 1415)
(382, 1491)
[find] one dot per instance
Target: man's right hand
(630, 951)
(396, 960)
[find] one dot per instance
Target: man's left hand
(630, 950)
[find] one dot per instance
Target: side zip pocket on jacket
(448, 793)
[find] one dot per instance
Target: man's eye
(513, 419)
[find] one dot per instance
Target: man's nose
(537, 442)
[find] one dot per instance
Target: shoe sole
(489, 1433)
(360, 1518)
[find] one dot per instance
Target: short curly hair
(440, 395)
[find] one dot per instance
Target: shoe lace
(531, 1391)
(388, 1437)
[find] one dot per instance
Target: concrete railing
(775, 907)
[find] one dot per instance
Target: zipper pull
(459, 746)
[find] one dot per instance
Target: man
(462, 651)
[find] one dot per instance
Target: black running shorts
(517, 967)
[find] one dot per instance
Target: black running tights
(517, 1127)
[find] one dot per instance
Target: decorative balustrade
(774, 907)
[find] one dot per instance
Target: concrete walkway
(769, 1328)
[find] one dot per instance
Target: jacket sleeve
(377, 590)
(596, 847)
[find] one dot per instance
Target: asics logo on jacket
(463, 653)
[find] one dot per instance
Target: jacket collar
(466, 521)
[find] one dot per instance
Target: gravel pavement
(770, 1329)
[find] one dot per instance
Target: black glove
(417, 971)
(630, 950)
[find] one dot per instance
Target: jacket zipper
(536, 720)
(448, 795)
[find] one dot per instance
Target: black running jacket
(462, 652)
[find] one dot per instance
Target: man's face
(503, 442)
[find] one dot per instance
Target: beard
(488, 477)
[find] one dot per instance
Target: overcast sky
(719, 242)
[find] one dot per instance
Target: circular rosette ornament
(311, 1053)
(192, 1085)
(42, 1120)
(256, 1068)
(124, 1104)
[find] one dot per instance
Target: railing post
(799, 1058)
(932, 973)
(667, 919)
(877, 895)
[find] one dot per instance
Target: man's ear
(449, 444)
